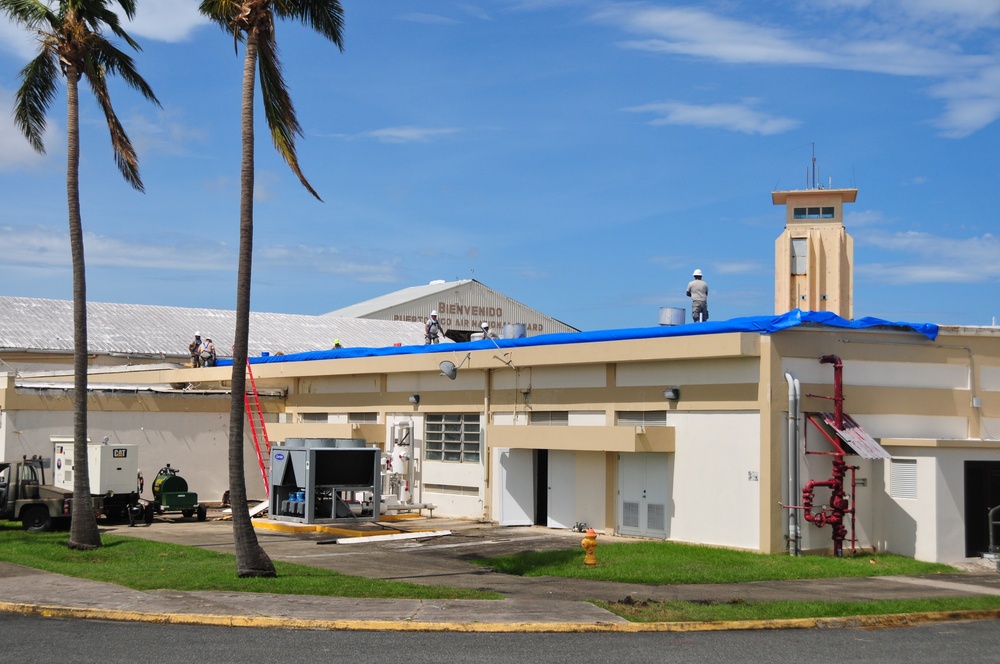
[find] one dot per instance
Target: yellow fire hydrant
(589, 544)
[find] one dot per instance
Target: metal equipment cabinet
(325, 480)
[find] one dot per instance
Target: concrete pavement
(427, 556)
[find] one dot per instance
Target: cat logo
(119, 452)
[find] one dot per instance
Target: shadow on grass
(524, 564)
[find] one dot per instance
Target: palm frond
(324, 16)
(125, 156)
(278, 108)
(118, 62)
(224, 13)
(31, 102)
(29, 13)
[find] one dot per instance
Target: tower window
(813, 213)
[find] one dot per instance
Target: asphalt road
(33, 639)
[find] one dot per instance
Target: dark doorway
(982, 492)
(541, 487)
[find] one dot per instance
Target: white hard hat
(697, 273)
(197, 334)
(434, 313)
(484, 325)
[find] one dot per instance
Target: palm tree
(252, 22)
(71, 40)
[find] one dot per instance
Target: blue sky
(580, 156)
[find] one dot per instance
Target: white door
(643, 494)
(517, 487)
(562, 479)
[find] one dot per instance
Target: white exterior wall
(930, 527)
(714, 499)
(197, 444)
(882, 374)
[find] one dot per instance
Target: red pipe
(839, 504)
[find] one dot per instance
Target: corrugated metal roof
(856, 437)
(147, 330)
(397, 298)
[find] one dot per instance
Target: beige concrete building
(705, 433)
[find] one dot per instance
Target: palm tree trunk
(251, 560)
(83, 532)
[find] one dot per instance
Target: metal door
(562, 480)
(517, 488)
(642, 494)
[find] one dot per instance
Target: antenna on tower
(814, 165)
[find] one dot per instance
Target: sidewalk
(530, 604)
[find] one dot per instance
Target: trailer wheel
(202, 512)
(187, 514)
(147, 514)
(36, 519)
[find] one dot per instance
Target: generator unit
(170, 494)
(113, 469)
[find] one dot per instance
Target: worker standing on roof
(208, 353)
(487, 332)
(432, 330)
(194, 348)
(697, 290)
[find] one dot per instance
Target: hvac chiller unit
(325, 480)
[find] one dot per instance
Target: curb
(268, 622)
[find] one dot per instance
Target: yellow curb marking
(269, 622)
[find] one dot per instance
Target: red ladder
(258, 430)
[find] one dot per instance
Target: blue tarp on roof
(758, 324)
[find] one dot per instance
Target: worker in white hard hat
(697, 290)
(432, 330)
(487, 332)
(194, 349)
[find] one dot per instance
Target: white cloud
(427, 19)
(743, 267)
(696, 32)
(930, 42)
(17, 41)
(35, 247)
(863, 218)
(733, 117)
(353, 265)
(940, 259)
(160, 20)
(164, 133)
(165, 20)
(407, 134)
(43, 246)
(970, 103)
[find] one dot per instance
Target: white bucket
(672, 316)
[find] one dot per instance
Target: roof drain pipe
(794, 400)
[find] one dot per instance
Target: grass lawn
(666, 563)
(147, 565)
(674, 563)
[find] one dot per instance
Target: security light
(449, 369)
